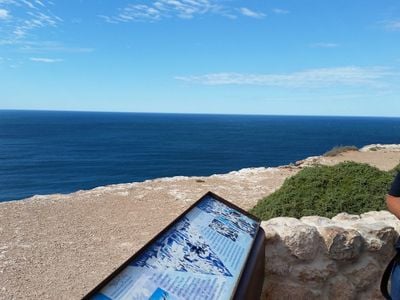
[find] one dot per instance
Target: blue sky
(288, 57)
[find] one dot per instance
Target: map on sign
(200, 257)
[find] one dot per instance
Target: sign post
(214, 250)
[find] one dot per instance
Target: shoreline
(65, 244)
(299, 164)
(124, 189)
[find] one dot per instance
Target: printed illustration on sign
(237, 219)
(220, 225)
(183, 249)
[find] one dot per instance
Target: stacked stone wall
(321, 258)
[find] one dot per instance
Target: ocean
(46, 152)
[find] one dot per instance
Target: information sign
(199, 256)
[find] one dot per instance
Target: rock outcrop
(320, 258)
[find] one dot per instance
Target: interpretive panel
(201, 256)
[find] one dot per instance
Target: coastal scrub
(328, 190)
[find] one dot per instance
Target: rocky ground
(61, 246)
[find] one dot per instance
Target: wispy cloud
(4, 14)
(183, 9)
(312, 78)
(46, 60)
(48, 46)
(391, 25)
(280, 11)
(324, 45)
(29, 16)
(251, 13)
(22, 23)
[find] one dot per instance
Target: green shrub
(395, 170)
(340, 149)
(328, 190)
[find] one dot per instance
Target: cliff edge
(66, 244)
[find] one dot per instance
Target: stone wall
(320, 258)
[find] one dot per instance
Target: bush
(340, 149)
(328, 190)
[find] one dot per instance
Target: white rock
(391, 147)
(341, 244)
(303, 243)
(317, 221)
(338, 258)
(283, 221)
(346, 217)
(377, 236)
(381, 216)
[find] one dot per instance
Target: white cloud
(183, 9)
(35, 20)
(312, 78)
(280, 11)
(28, 3)
(40, 3)
(251, 13)
(4, 14)
(393, 25)
(324, 45)
(30, 15)
(29, 46)
(46, 60)
(160, 9)
(34, 47)
(5, 2)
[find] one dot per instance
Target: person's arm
(393, 197)
(393, 205)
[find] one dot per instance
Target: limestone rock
(340, 288)
(289, 291)
(381, 216)
(372, 293)
(270, 234)
(321, 258)
(317, 221)
(341, 244)
(364, 274)
(276, 264)
(346, 217)
(302, 240)
(316, 272)
(377, 236)
(391, 147)
(283, 222)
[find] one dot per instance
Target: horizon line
(191, 113)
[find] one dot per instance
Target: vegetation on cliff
(340, 149)
(328, 190)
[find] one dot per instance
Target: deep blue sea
(43, 152)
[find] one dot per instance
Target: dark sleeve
(395, 189)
